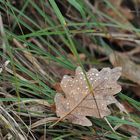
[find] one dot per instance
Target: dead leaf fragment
(130, 70)
(124, 14)
(79, 102)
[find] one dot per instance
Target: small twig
(17, 75)
(3, 66)
(36, 42)
(109, 124)
(120, 36)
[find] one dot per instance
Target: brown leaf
(81, 55)
(124, 15)
(57, 87)
(136, 90)
(131, 129)
(130, 70)
(79, 102)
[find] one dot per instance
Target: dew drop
(91, 78)
(68, 103)
(108, 102)
(65, 77)
(78, 88)
(81, 78)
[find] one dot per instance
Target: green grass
(36, 66)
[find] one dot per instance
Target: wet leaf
(81, 100)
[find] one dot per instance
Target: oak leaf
(80, 101)
(130, 71)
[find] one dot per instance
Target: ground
(43, 41)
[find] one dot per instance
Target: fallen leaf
(57, 87)
(79, 101)
(136, 90)
(130, 70)
(124, 14)
(81, 55)
(130, 129)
